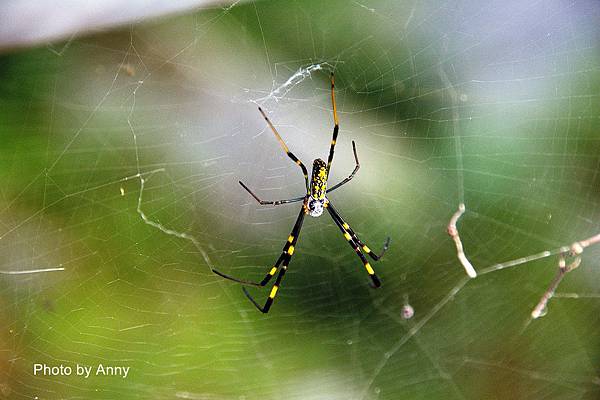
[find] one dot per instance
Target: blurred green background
(490, 103)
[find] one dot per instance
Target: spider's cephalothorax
(314, 202)
(318, 188)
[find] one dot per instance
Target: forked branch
(575, 250)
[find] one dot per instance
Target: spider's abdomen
(318, 182)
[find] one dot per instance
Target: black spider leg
(349, 178)
(336, 126)
(284, 254)
(266, 202)
(355, 237)
(355, 243)
(288, 251)
(287, 150)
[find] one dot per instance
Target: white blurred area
(26, 23)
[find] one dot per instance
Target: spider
(313, 203)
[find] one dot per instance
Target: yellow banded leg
(349, 232)
(274, 290)
(354, 243)
(335, 117)
(284, 260)
(269, 202)
(368, 267)
(370, 271)
(265, 280)
(366, 248)
(288, 250)
(357, 249)
(336, 126)
(269, 302)
(349, 178)
(285, 148)
(269, 275)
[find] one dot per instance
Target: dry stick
(453, 232)
(540, 309)
(578, 247)
(31, 271)
(575, 250)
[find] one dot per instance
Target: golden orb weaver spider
(313, 204)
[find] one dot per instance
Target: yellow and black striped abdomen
(318, 182)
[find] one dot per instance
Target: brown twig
(575, 250)
(453, 232)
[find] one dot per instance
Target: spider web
(121, 156)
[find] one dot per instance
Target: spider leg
(288, 251)
(349, 178)
(286, 149)
(340, 221)
(356, 244)
(265, 202)
(242, 281)
(336, 126)
(285, 254)
(265, 309)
